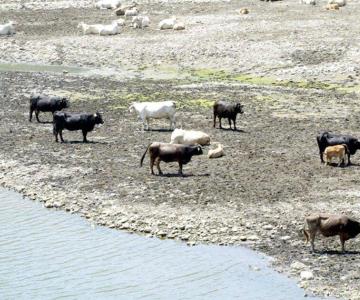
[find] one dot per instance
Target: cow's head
(198, 150)
(357, 144)
(64, 103)
(239, 108)
(98, 118)
(132, 108)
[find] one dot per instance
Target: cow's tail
(142, 158)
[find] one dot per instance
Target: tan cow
(331, 225)
(337, 151)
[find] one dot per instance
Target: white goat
(140, 21)
(121, 10)
(340, 3)
(131, 12)
(108, 4)
(179, 26)
(217, 152)
(167, 23)
(189, 137)
(8, 28)
(310, 2)
(155, 110)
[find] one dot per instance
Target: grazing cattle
(325, 139)
(8, 28)
(44, 103)
(227, 110)
(70, 121)
(217, 152)
(170, 153)
(154, 110)
(337, 151)
(189, 137)
(331, 225)
(167, 23)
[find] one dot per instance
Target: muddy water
(54, 255)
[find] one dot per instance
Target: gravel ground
(295, 69)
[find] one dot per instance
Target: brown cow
(331, 225)
(170, 152)
(337, 151)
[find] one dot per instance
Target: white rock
(296, 265)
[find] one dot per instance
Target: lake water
(46, 254)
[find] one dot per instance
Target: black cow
(227, 110)
(170, 152)
(47, 104)
(70, 121)
(325, 139)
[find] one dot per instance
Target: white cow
(155, 110)
(111, 29)
(167, 23)
(310, 2)
(131, 12)
(140, 21)
(217, 152)
(100, 29)
(340, 3)
(108, 4)
(8, 28)
(189, 137)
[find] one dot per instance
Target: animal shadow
(81, 142)
(159, 130)
(170, 175)
(230, 129)
(337, 252)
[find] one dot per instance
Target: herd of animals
(186, 143)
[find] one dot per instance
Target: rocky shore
(292, 79)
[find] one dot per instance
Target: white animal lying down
(108, 4)
(100, 29)
(217, 152)
(155, 110)
(167, 23)
(131, 12)
(179, 26)
(338, 2)
(310, 2)
(140, 21)
(8, 28)
(189, 137)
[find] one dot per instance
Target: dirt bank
(293, 81)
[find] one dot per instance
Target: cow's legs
(30, 115)
(321, 156)
(37, 115)
(214, 120)
(172, 122)
(349, 162)
(312, 239)
(157, 162)
(56, 136)
(234, 121)
(84, 132)
(220, 123)
(180, 168)
(152, 165)
(61, 136)
(229, 120)
(342, 240)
